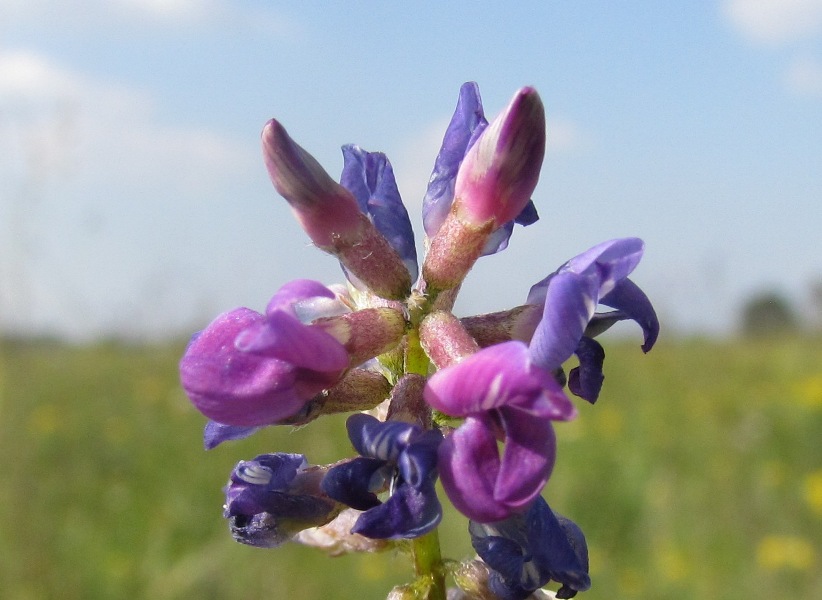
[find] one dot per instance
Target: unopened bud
(493, 185)
(331, 217)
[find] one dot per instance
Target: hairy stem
(426, 549)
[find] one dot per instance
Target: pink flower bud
(331, 217)
(324, 208)
(493, 185)
(498, 175)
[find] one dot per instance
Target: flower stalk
(387, 348)
(428, 565)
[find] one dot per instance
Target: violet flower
(526, 551)
(492, 187)
(331, 216)
(394, 455)
(569, 298)
(504, 397)
(466, 125)
(370, 177)
(272, 497)
(246, 369)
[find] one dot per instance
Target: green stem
(428, 565)
(426, 549)
(416, 360)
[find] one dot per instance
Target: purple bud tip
(324, 208)
(500, 171)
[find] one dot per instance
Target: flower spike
(471, 401)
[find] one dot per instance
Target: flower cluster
(469, 401)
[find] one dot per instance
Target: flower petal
(569, 304)
(527, 460)
(369, 176)
(627, 298)
(466, 124)
(418, 464)
(215, 433)
(468, 464)
(233, 387)
(586, 380)
(410, 512)
(295, 291)
(487, 379)
(350, 482)
(559, 548)
(570, 297)
(378, 439)
(283, 337)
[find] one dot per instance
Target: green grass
(698, 474)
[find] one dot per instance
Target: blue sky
(134, 201)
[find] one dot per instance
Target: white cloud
(103, 15)
(167, 10)
(100, 199)
(28, 77)
(108, 121)
(804, 77)
(775, 21)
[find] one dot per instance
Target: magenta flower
(500, 171)
(466, 125)
(247, 369)
(503, 397)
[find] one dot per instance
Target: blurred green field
(697, 475)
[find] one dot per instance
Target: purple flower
(324, 208)
(247, 369)
(394, 455)
(331, 216)
(369, 176)
(273, 496)
(466, 125)
(504, 397)
(492, 186)
(569, 298)
(528, 550)
(500, 171)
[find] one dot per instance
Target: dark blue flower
(528, 550)
(369, 176)
(398, 457)
(273, 496)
